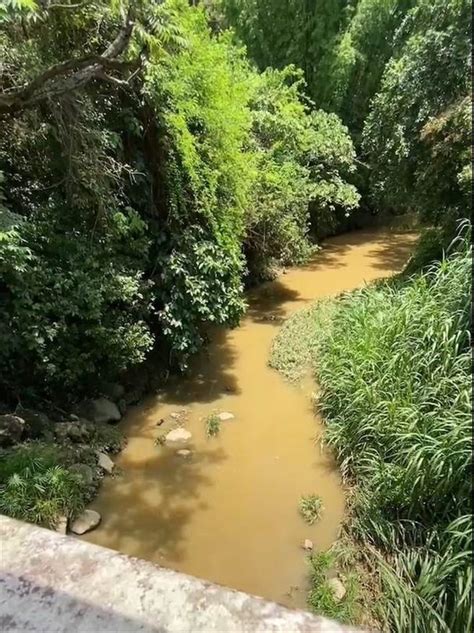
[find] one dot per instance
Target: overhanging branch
(71, 74)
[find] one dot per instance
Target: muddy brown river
(229, 511)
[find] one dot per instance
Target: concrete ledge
(55, 584)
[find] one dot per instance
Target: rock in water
(100, 410)
(86, 522)
(308, 545)
(11, 429)
(183, 452)
(178, 435)
(225, 416)
(337, 588)
(105, 462)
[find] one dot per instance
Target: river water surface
(229, 511)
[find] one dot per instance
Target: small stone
(225, 416)
(11, 429)
(178, 435)
(183, 452)
(175, 415)
(61, 525)
(308, 545)
(73, 417)
(105, 462)
(337, 588)
(86, 522)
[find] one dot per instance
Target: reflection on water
(228, 512)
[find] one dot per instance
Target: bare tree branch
(71, 74)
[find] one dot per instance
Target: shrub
(303, 160)
(321, 597)
(36, 487)
(73, 307)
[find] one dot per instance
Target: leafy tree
(303, 160)
(144, 160)
(416, 136)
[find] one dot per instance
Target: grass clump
(294, 348)
(394, 369)
(35, 486)
(213, 425)
(310, 507)
(106, 437)
(322, 598)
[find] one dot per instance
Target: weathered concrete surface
(51, 583)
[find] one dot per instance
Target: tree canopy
(148, 172)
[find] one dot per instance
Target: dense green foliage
(394, 366)
(398, 74)
(417, 135)
(35, 487)
(321, 597)
(135, 203)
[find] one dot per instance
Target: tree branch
(71, 74)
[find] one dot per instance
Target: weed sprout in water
(213, 425)
(310, 507)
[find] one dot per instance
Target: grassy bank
(393, 363)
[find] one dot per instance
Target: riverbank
(393, 365)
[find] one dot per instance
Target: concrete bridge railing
(51, 583)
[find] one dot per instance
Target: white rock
(175, 415)
(308, 545)
(86, 522)
(337, 588)
(105, 462)
(61, 525)
(178, 435)
(225, 416)
(183, 452)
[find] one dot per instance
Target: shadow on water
(210, 374)
(388, 252)
(266, 303)
(157, 500)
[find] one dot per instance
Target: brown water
(228, 513)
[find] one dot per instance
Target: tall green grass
(36, 487)
(394, 368)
